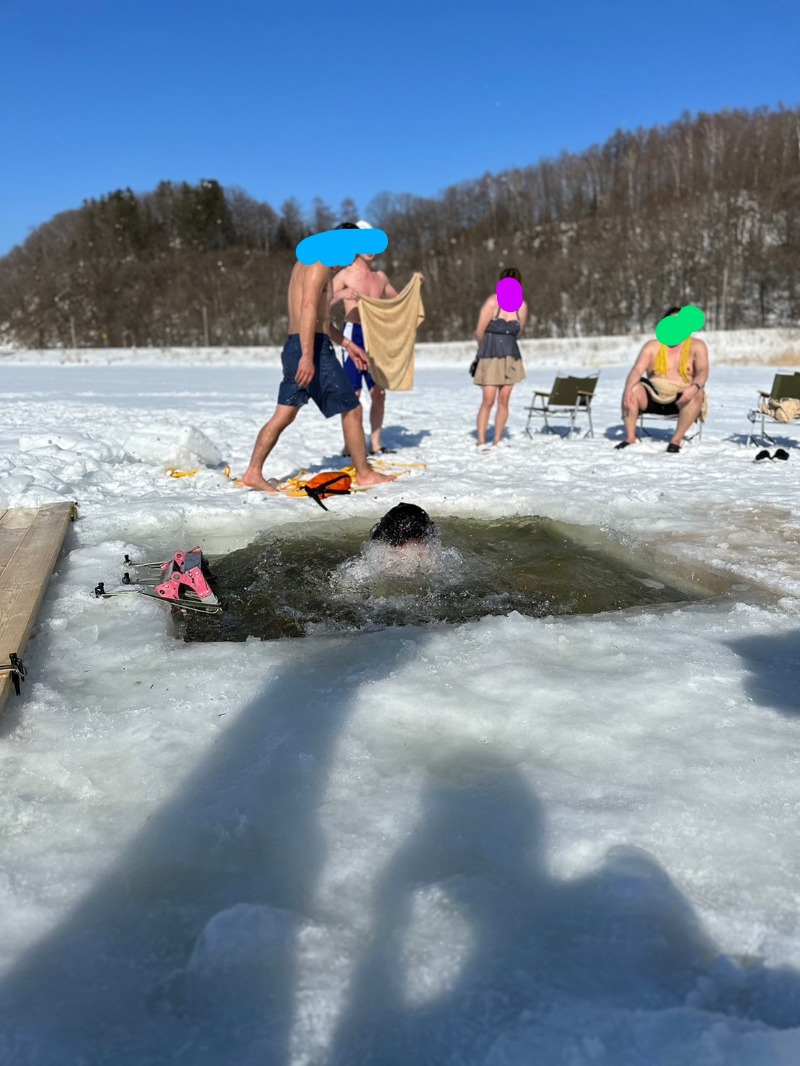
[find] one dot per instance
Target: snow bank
(178, 446)
(727, 346)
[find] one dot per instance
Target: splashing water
(379, 564)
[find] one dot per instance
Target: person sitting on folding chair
(666, 381)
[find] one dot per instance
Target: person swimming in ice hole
(406, 527)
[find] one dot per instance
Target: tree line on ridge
(705, 210)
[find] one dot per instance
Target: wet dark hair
(346, 225)
(404, 523)
(671, 311)
(511, 272)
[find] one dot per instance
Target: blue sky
(303, 98)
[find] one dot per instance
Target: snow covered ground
(516, 841)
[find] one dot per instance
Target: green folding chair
(567, 398)
(642, 429)
(784, 387)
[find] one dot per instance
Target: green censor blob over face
(674, 329)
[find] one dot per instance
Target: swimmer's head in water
(404, 524)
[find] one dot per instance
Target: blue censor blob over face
(339, 247)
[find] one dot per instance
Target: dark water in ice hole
(301, 583)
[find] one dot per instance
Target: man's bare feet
(256, 481)
(372, 477)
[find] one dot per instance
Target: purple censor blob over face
(509, 294)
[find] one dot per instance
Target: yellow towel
(661, 366)
(390, 329)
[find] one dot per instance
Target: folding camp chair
(568, 396)
(642, 429)
(784, 387)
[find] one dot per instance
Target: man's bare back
(304, 284)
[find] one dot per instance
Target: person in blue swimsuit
(360, 279)
(359, 379)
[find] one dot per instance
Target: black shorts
(656, 408)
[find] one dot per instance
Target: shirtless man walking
(666, 381)
(354, 281)
(311, 371)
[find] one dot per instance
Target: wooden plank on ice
(30, 541)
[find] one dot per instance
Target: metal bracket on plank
(16, 668)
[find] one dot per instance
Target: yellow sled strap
(172, 472)
(382, 464)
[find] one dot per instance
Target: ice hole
(296, 583)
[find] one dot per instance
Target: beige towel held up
(390, 330)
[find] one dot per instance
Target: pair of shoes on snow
(671, 447)
(781, 453)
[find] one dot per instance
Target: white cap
(363, 225)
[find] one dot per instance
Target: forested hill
(705, 210)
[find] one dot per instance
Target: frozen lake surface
(558, 840)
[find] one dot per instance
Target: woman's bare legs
(501, 417)
(485, 411)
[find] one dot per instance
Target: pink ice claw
(185, 569)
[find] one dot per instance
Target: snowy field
(513, 842)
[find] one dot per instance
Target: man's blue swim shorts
(330, 388)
